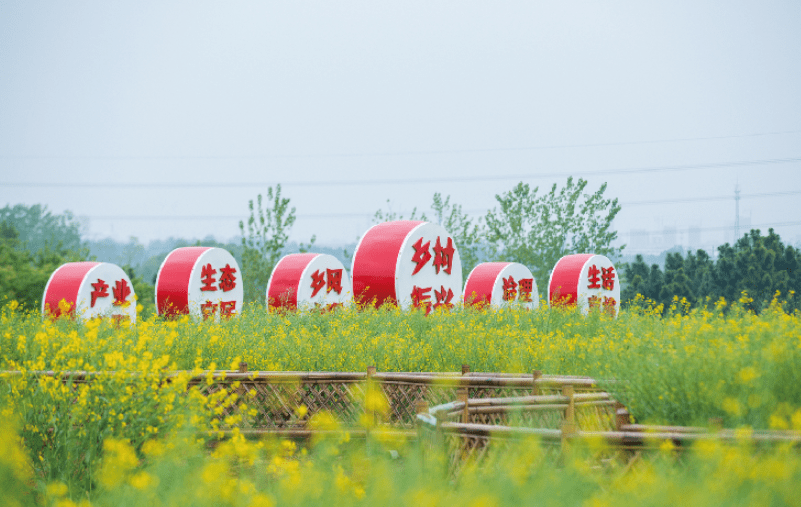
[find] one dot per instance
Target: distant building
(694, 238)
(745, 226)
(670, 237)
(639, 240)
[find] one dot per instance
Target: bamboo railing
(471, 412)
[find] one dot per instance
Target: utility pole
(736, 212)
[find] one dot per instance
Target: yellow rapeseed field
(129, 438)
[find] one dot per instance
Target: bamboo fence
(471, 412)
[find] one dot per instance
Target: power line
(391, 153)
(719, 228)
(368, 215)
(709, 199)
(399, 181)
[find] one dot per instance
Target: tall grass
(683, 368)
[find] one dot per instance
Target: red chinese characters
(121, 292)
(334, 277)
(207, 277)
(421, 298)
(605, 280)
(594, 279)
(443, 255)
(443, 297)
(330, 278)
(100, 291)
(227, 308)
(421, 255)
(509, 289)
(227, 278)
(318, 282)
(526, 288)
(607, 304)
(209, 309)
(520, 290)
(608, 278)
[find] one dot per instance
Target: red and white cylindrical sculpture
(90, 289)
(199, 281)
(500, 284)
(408, 263)
(587, 280)
(308, 279)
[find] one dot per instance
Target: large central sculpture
(407, 263)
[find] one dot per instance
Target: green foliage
(33, 243)
(24, 275)
(758, 265)
(390, 216)
(40, 229)
(538, 230)
(145, 293)
(139, 441)
(263, 243)
(466, 234)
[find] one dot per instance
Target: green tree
(38, 228)
(538, 230)
(677, 283)
(264, 240)
(755, 264)
(641, 279)
(382, 216)
(145, 292)
(24, 275)
(466, 233)
(760, 266)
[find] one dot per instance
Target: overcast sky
(158, 119)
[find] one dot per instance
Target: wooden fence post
(535, 376)
(461, 395)
(370, 392)
(569, 424)
(240, 391)
(622, 416)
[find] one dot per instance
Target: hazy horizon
(159, 119)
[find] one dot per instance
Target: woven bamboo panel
(595, 417)
(523, 417)
(277, 403)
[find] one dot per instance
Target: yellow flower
(261, 500)
(119, 458)
(732, 406)
(56, 489)
(143, 481)
(748, 374)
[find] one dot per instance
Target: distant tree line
(526, 227)
(759, 266)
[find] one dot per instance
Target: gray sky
(348, 104)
